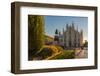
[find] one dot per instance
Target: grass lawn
(67, 54)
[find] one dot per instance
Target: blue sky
(59, 22)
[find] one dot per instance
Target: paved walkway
(81, 53)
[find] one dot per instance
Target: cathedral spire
(63, 30)
(81, 32)
(59, 33)
(66, 26)
(77, 28)
(72, 24)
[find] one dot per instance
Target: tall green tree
(85, 44)
(35, 32)
(56, 31)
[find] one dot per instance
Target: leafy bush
(31, 54)
(45, 52)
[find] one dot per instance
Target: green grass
(67, 54)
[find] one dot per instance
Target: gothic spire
(63, 29)
(66, 26)
(81, 32)
(72, 24)
(59, 33)
(77, 28)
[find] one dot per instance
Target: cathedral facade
(70, 37)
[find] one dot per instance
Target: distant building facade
(70, 37)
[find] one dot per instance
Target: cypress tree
(35, 32)
(56, 31)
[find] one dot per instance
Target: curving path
(55, 50)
